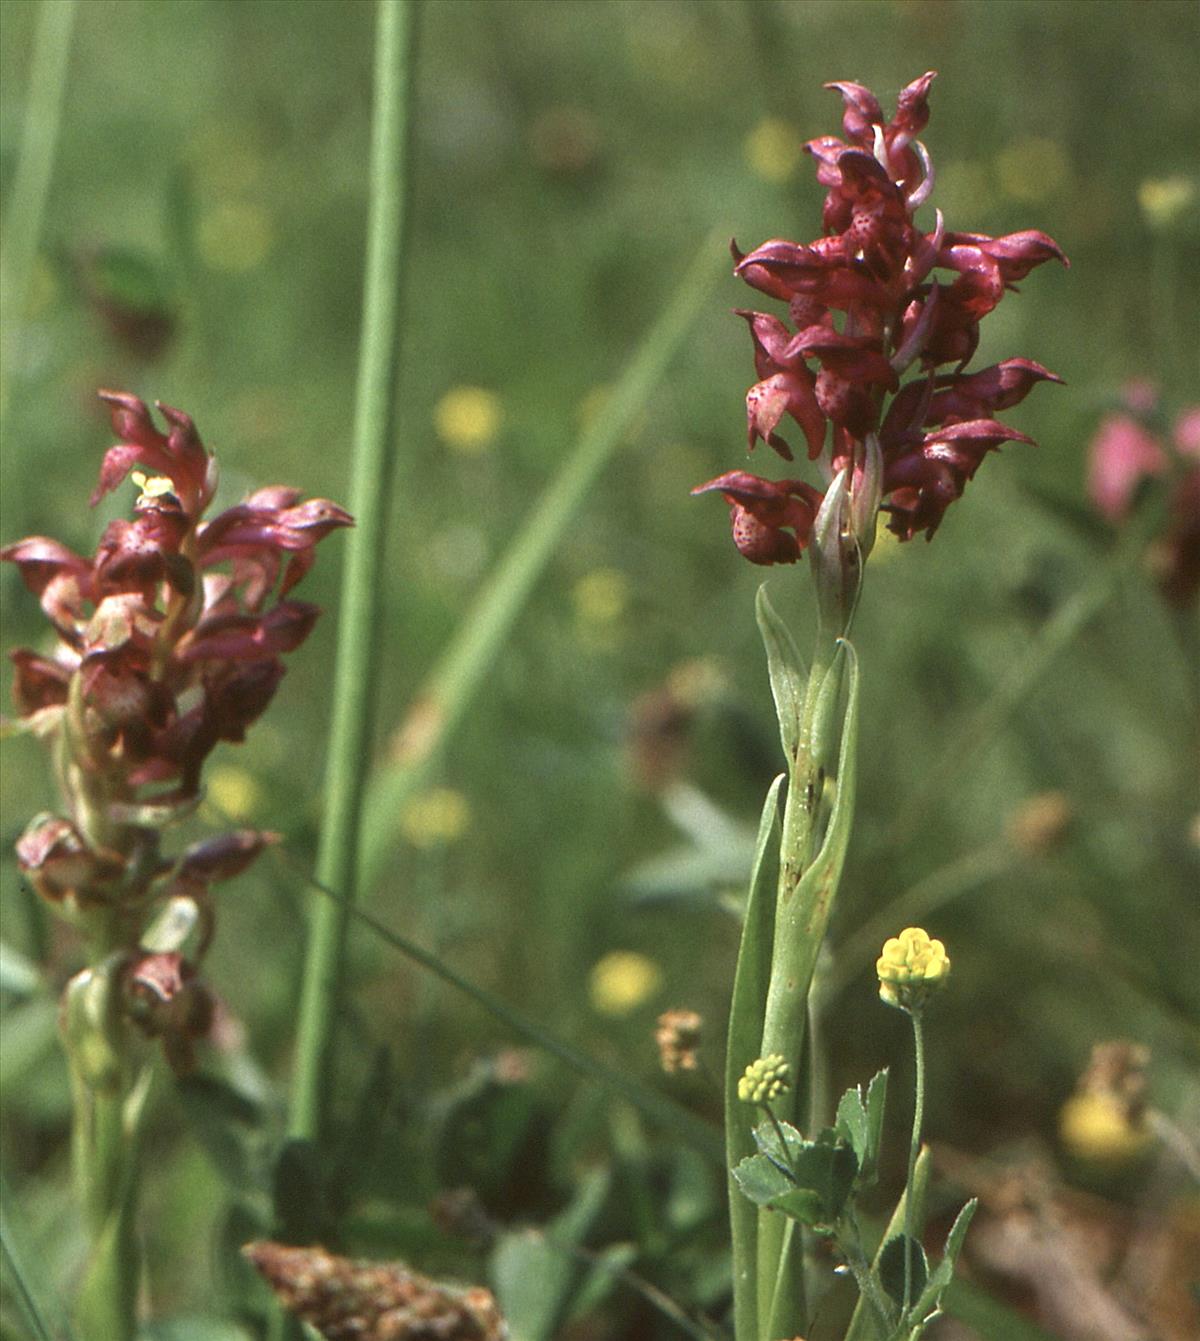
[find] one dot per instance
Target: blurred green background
(202, 245)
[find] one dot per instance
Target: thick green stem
(355, 672)
(801, 916)
(914, 1150)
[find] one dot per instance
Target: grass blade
(451, 686)
(356, 671)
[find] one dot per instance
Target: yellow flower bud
(912, 966)
(764, 1080)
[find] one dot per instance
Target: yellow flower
(764, 1080)
(622, 980)
(1095, 1127)
(1165, 200)
(911, 967)
(773, 150)
(235, 792)
(601, 596)
(437, 816)
(467, 419)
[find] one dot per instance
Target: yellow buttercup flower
(912, 966)
(765, 1079)
(623, 980)
(1095, 1127)
(467, 419)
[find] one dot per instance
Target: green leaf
(890, 1268)
(943, 1273)
(786, 670)
(535, 1274)
(809, 1180)
(742, 1046)
(876, 1102)
(851, 1121)
(763, 1180)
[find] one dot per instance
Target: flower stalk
(868, 309)
(170, 640)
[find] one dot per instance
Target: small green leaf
(828, 1168)
(762, 1180)
(943, 1273)
(803, 1204)
(876, 1102)
(536, 1276)
(822, 1171)
(852, 1121)
(891, 1267)
(786, 671)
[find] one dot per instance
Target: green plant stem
(106, 1126)
(462, 669)
(356, 670)
(914, 1149)
(801, 915)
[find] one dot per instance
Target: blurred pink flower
(1122, 454)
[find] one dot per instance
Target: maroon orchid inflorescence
(876, 268)
(170, 638)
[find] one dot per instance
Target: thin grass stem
(356, 670)
(914, 1149)
(450, 688)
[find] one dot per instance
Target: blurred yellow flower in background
(601, 596)
(437, 816)
(1096, 1128)
(623, 980)
(236, 793)
(1032, 169)
(773, 150)
(467, 419)
(1165, 200)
